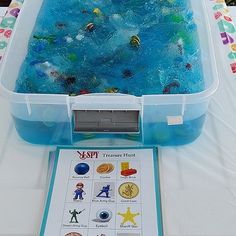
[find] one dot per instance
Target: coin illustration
(105, 168)
(111, 168)
(73, 234)
(128, 190)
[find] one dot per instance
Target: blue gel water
(88, 46)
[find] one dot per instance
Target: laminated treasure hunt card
(104, 192)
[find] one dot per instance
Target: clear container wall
(45, 119)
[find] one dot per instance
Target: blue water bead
(192, 26)
(60, 40)
(39, 46)
(178, 59)
(189, 15)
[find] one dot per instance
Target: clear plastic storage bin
(167, 119)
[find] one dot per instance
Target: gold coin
(128, 190)
(111, 168)
(103, 168)
(73, 234)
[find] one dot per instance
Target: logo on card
(88, 154)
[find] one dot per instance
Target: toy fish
(112, 90)
(50, 39)
(60, 25)
(85, 11)
(90, 27)
(83, 91)
(127, 73)
(72, 57)
(135, 41)
(188, 66)
(97, 12)
(177, 18)
(69, 80)
(72, 94)
(167, 88)
(48, 69)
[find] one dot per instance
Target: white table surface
(2, 10)
(198, 180)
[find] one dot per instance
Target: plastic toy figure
(105, 189)
(79, 191)
(74, 214)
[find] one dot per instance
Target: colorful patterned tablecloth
(7, 24)
(227, 30)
